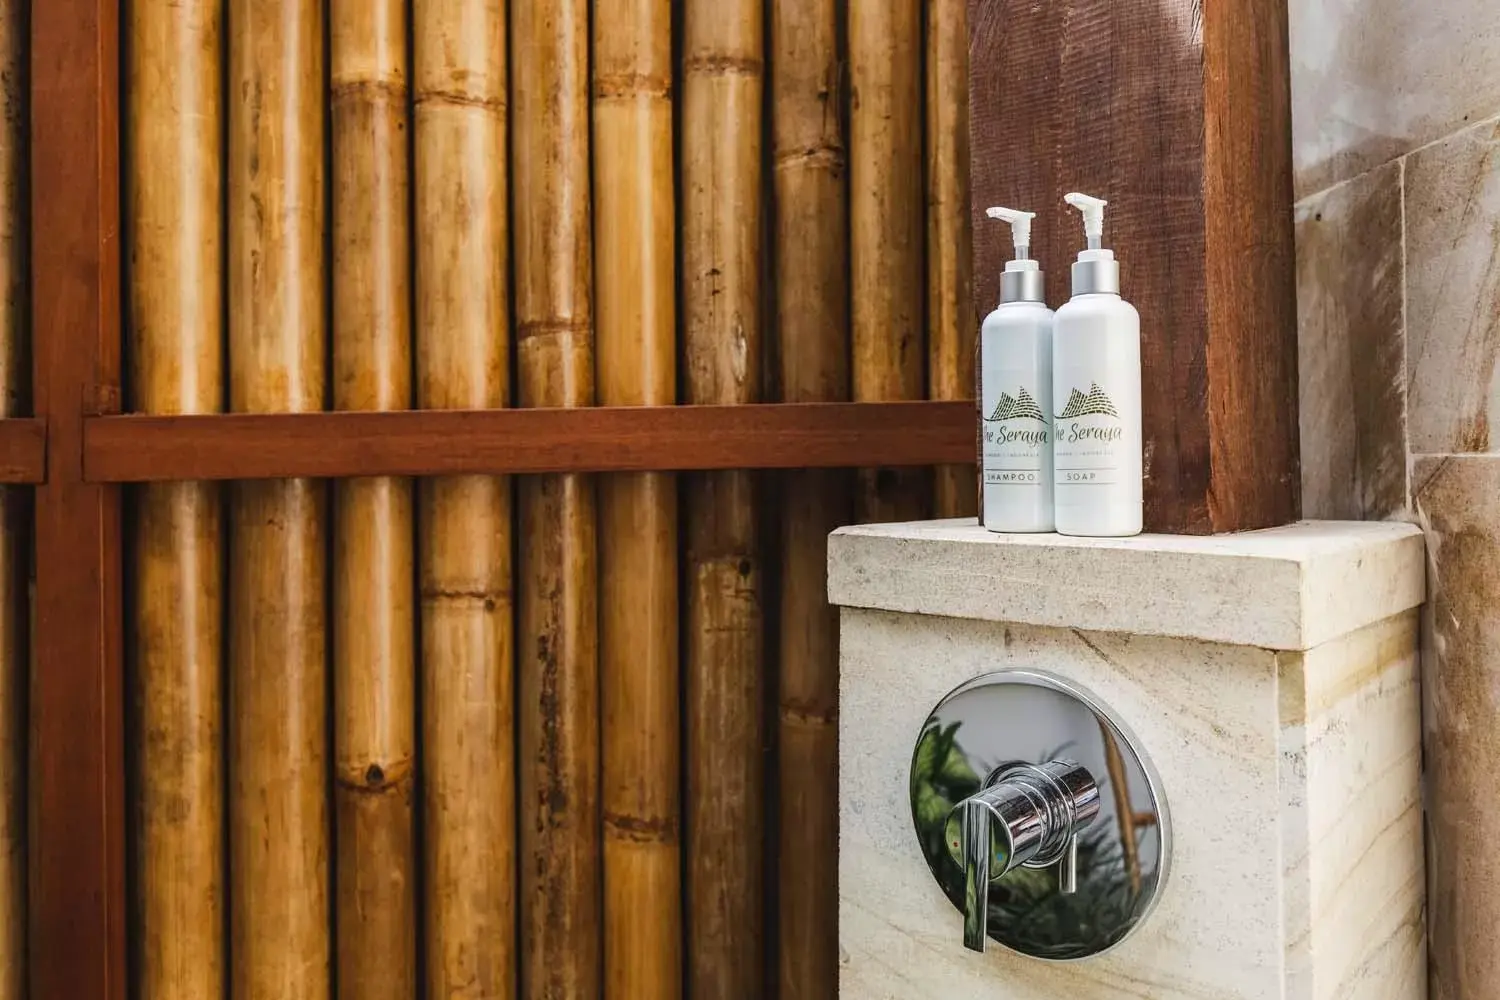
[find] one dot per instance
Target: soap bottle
(1015, 380)
(1096, 380)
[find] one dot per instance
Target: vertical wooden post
(951, 321)
(812, 324)
(374, 658)
(76, 885)
(278, 789)
(15, 526)
(1179, 114)
(174, 179)
(723, 70)
(886, 223)
(635, 270)
(463, 307)
(558, 643)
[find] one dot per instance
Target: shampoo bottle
(1015, 381)
(1096, 381)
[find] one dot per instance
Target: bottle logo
(1015, 432)
(1089, 431)
(1021, 406)
(1096, 402)
(1018, 407)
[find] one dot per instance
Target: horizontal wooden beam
(23, 450)
(597, 439)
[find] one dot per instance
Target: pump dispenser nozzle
(1020, 228)
(1095, 271)
(1093, 216)
(1022, 279)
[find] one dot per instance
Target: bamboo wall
(562, 736)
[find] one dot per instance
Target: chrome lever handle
(976, 834)
(1030, 815)
(1067, 868)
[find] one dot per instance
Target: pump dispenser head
(1021, 281)
(1096, 271)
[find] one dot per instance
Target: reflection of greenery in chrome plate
(999, 849)
(1038, 919)
(940, 779)
(1041, 921)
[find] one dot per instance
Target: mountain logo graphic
(1018, 407)
(1096, 403)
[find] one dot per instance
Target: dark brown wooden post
(77, 824)
(1179, 114)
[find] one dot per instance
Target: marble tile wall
(1396, 149)
(1458, 502)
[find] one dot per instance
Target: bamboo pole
(723, 63)
(812, 323)
(173, 187)
(635, 222)
(15, 533)
(951, 321)
(558, 642)
(373, 613)
(463, 306)
(278, 798)
(886, 226)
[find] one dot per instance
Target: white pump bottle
(1096, 379)
(1015, 363)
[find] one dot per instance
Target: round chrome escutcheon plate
(993, 722)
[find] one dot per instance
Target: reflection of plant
(1041, 921)
(940, 779)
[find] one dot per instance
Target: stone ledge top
(1289, 588)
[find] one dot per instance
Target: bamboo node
(805, 715)
(723, 64)
(626, 86)
(823, 156)
(488, 598)
(642, 829)
(372, 91)
(552, 327)
(438, 96)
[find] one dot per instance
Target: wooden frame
(23, 450)
(457, 442)
(78, 448)
(76, 891)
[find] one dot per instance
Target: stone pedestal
(1271, 677)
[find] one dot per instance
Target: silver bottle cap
(1096, 276)
(1021, 286)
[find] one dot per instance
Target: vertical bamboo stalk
(558, 643)
(951, 322)
(15, 535)
(278, 798)
(463, 306)
(886, 225)
(173, 186)
(812, 323)
(635, 222)
(723, 62)
(373, 647)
